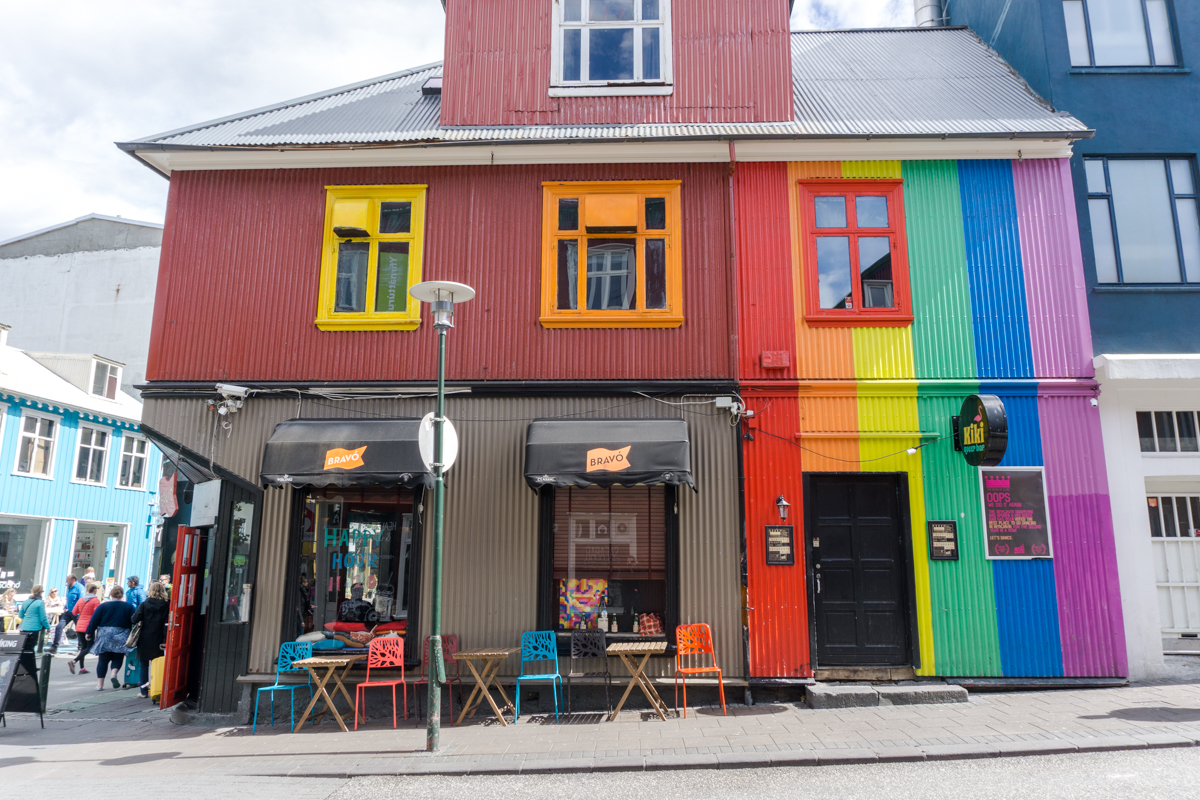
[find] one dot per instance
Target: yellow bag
(156, 676)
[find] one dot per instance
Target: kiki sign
(981, 430)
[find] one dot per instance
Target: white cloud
(77, 75)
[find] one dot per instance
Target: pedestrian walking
(135, 595)
(83, 610)
(108, 630)
(152, 639)
(9, 609)
(74, 592)
(33, 615)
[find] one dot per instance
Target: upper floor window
(611, 47)
(856, 259)
(1174, 516)
(371, 256)
(92, 456)
(1145, 221)
(1167, 432)
(610, 255)
(1119, 33)
(133, 462)
(35, 452)
(106, 378)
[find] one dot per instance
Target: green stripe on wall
(943, 341)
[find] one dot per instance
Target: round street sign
(449, 442)
(983, 430)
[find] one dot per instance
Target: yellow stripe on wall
(871, 169)
(883, 354)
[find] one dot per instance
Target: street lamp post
(441, 295)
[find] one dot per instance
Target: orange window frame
(900, 314)
(598, 191)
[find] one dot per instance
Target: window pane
(650, 9)
(656, 273)
(391, 277)
(1181, 513)
(833, 271)
(1095, 176)
(1118, 33)
(1187, 431)
(1168, 512)
(610, 10)
(568, 215)
(1195, 502)
(1189, 237)
(1155, 522)
(85, 437)
(25, 460)
(1076, 33)
(875, 266)
(656, 213)
(572, 10)
(1181, 176)
(1165, 424)
(831, 212)
(651, 55)
(81, 464)
(351, 290)
(568, 273)
(611, 274)
(1145, 222)
(41, 457)
(1160, 32)
(97, 472)
(111, 392)
(572, 44)
(1145, 424)
(871, 212)
(611, 56)
(31, 424)
(100, 379)
(395, 217)
(1102, 241)
(139, 470)
(47, 428)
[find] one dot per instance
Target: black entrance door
(859, 573)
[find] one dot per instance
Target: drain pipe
(929, 13)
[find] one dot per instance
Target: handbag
(134, 634)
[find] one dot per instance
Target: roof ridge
(899, 29)
(77, 220)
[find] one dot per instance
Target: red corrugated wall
(732, 63)
(241, 253)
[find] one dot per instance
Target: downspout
(929, 13)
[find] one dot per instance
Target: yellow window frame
(580, 316)
(359, 207)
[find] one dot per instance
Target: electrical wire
(852, 460)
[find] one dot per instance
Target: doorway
(99, 547)
(856, 537)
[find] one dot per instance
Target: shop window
(611, 255)
(371, 256)
(236, 607)
(856, 259)
(35, 451)
(1174, 517)
(92, 455)
(1168, 432)
(21, 544)
(1119, 33)
(106, 379)
(98, 546)
(611, 47)
(134, 452)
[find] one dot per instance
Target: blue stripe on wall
(1026, 600)
(60, 555)
(994, 269)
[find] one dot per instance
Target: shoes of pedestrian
(100, 685)
(144, 694)
(71, 666)
(52, 650)
(83, 671)
(116, 683)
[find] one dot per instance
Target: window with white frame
(35, 451)
(92, 455)
(1167, 432)
(1119, 33)
(599, 43)
(1145, 221)
(133, 462)
(106, 378)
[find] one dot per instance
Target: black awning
(608, 452)
(345, 452)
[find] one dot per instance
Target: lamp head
(442, 295)
(783, 506)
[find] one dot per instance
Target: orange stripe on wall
(829, 426)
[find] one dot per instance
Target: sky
(77, 76)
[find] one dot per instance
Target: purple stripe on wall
(1054, 286)
(1085, 563)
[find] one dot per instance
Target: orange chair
(693, 641)
(383, 653)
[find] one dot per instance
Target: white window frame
(79, 446)
(49, 475)
(111, 366)
(561, 88)
(1150, 42)
(129, 436)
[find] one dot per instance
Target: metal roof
(885, 82)
(78, 220)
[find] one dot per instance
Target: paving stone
(744, 760)
(943, 752)
(829, 695)
(1166, 740)
(1101, 744)
(847, 755)
(1026, 748)
(546, 766)
(921, 694)
(901, 753)
(794, 758)
(619, 764)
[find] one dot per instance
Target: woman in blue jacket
(108, 631)
(33, 613)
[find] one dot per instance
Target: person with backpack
(108, 631)
(152, 614)
(74, 592)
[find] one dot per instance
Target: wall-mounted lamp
(783, 506)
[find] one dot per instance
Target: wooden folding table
(330, 665)
(491, 657)
(627, 652)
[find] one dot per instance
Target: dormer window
(106, 378)
(611, 47)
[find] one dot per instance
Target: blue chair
(289, 653)
(538, 646)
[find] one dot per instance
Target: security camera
(1095, 403)
(231, 390)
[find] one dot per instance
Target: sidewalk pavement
(126, 738)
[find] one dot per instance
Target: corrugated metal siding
(878, 170)
(882, 353)
(59, 560)
(270, 579)
(768, 312)
(1085, 567)
(731, 64)
(826, 408)
(1054, 285)
(994, 268)
(942, 331)
(246, 246)
(491, 515)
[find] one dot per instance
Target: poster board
(1016, 523)
(19, 689)
(781, 547)
(943, 540)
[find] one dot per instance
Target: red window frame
(900, 314)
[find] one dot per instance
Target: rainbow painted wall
(999, 307)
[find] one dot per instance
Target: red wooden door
(185, 604)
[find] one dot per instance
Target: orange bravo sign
(601, 460)
(337, 458)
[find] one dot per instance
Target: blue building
(77, 479)
(1125, 67)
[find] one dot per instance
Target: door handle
(818, 583)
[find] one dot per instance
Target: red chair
(386, 652)
(449, 645)
(694, 641)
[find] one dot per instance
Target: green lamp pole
(441, 295)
